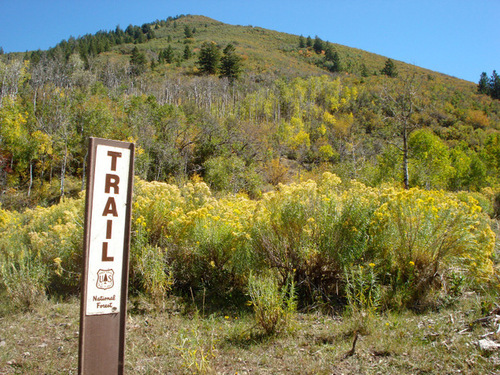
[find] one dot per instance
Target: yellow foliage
(434, 230)
(301, 139)
(329, 119)
(326, 152)
(478, 119)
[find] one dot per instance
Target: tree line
(218, 120)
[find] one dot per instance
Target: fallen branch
(351, 352)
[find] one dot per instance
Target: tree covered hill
(242, 107)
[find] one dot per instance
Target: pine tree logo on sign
(105, 279)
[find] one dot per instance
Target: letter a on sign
(106, 253)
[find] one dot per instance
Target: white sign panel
(107, 230)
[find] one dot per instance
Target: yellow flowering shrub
(316, 230)
(41, 248)
(209, 246)
(420, 235)
(320, 232)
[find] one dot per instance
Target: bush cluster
(343, 243)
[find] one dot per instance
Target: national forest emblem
(105, 279)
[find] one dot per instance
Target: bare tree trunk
(400, 103)
(31, 178)
(406, 178)
(63, 168)
(84, 170)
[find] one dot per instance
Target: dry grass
(178, 341)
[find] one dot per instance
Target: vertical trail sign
(103, 307)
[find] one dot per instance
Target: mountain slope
(292, 114)
(262, 50)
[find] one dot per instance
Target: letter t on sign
(114, 155)
(106, 257)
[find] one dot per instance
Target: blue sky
(456, 37)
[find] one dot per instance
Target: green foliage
(495, 85)
(489, 86)
(336, 63)
(188, 32)
(483, 87)
(187, 52)
(318, 45)
(167, 55)
(24, 277)
(209, 58)
(390, 69)
(180, 119)
(363, 290)
(274, 306)
(309, 42)
(151, 272)
(285, 118)
(231, 175)
(302, 42)
(430, 161)
(138, 62)
(230, 63)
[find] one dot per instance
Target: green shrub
(274, 307)
(150, 270)
(231, 175)
(213, 251)
(316, 231)
(24, 277)
(362, 288)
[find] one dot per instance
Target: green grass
(177, 340)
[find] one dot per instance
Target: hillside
(298, 106)
(262, 50)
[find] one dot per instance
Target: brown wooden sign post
(106, 255)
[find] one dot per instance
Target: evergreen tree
(168, 54)
(318, 45)
(138, 62)
(130, 30)
(187, 52)
(119, 35)
(230, 63)
(329, 52)
(1, 50)
(302, 42)
(209, 58)
(161, 58)
(145, 28)
(390, 69)
(188, 32)
(495, 85)
(139, 37)
(483, 87)
(336, 63)
(309, 42)
(364, 71)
